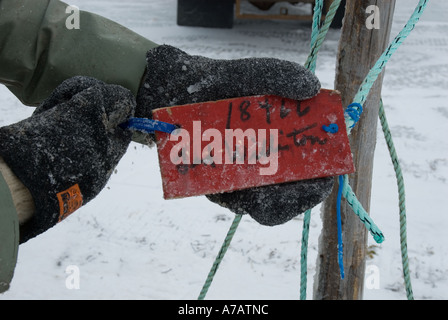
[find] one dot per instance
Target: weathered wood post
(363, 40)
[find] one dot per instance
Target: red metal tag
(246, 142)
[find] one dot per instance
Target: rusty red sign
(245, 142)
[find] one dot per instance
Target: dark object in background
(221, 13)
(205, 13)
(339, 16)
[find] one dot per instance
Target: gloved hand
(174, 78)
(67, 150)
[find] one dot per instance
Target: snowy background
(129, 243)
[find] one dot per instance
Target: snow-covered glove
(174, 77)
(67, 150)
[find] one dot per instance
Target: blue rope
(354, 112)
(318, 35)
(148, 125)
(339, 222)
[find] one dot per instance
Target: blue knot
(148, 125)
(331, 128)
(354, 111)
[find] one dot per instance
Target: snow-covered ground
(129, 243)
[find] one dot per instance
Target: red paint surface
(306, 151)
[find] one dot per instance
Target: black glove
(67, 150)
(174, 78)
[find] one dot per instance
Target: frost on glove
(67, 150)
(174, 77)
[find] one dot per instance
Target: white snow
(129, 243)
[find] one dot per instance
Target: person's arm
(9, 235)
(66, 151)
(38, 52)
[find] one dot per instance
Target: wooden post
(359, 48)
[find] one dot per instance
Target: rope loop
(353, 112)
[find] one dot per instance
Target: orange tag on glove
(70, 200)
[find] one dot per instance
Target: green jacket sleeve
(38, 51)
(9, 236)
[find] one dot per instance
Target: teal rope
(373, 74)
(319, 39)
(220, 256)
(304, 254)
(317, 17)
(402, 201)
(311, 65)
(360, 98)
(347, 191)
(362, 214)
